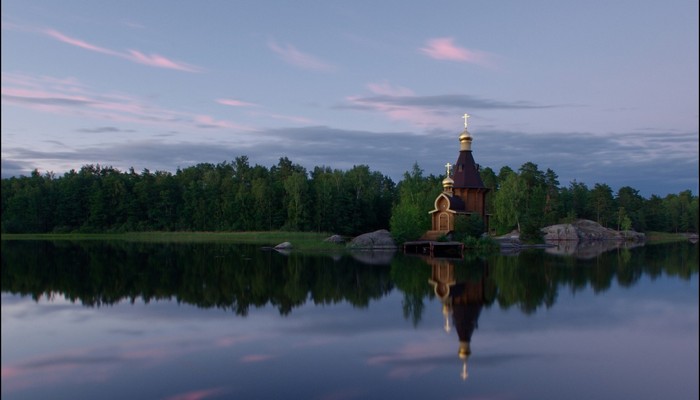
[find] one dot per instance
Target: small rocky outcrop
(380, 239)
(584, 230)
(511, 239)
(284, 246)
(560, 232)
(334, 239)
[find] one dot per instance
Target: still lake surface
(122, 320)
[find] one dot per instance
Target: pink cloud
(384, 88)
(411, 359)
(155, 60)
(69, 97)
(79, 43)
(38, 96)
(416, 115)
(197, 394)
(445, 49)
(207, 121)
(235, 103)
(228, 341)
(293, 56)
(152, 60)
(8, 372)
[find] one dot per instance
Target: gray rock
(560, 232)
(584, 230)
(511, 239)
(284, 246)
(334, 239)
(380, 239)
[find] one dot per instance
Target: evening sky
(598, 91)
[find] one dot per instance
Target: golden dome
(448, 182)
(465, 140)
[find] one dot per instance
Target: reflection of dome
(442, 290)
(464, 350)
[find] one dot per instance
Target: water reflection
(462, 300)
(589, 249)
(57, 349)
(238, 278)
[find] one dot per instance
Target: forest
(235, 196)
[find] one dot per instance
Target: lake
(124, 320)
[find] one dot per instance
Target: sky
(598, 91)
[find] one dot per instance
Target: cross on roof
(464, 117)
(448, 166)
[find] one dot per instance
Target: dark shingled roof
(456, 203)
(466, 174)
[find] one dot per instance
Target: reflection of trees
(206, 275)
(533, 278)
(527, 281)
(409, 275)
(239, 277)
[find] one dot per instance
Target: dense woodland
(235, 196)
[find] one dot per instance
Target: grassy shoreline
(666, 237)
(300, 240)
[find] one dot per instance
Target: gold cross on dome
(464, 117)
(448, 166)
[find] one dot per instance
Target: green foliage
(236, 196)
(408, 222)
(468, 226)
(481, 246)
(443, 238)
(409, 217)
(509, 202)
(470, 242)
(602, 202)
(206, 197)
(623, 220)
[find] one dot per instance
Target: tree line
(229, 196)
(235, 196)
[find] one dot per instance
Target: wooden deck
(434, 249)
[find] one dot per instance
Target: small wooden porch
(434, 249)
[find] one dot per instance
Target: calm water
(105, 320)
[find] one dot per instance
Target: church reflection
(462, 299)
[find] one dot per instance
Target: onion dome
(465, 141)
(447, 183)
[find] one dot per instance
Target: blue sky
(600, 91)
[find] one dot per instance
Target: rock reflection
(588, 249)
(462, 299)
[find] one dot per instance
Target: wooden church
(463, 192)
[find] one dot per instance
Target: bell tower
(468, 185)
